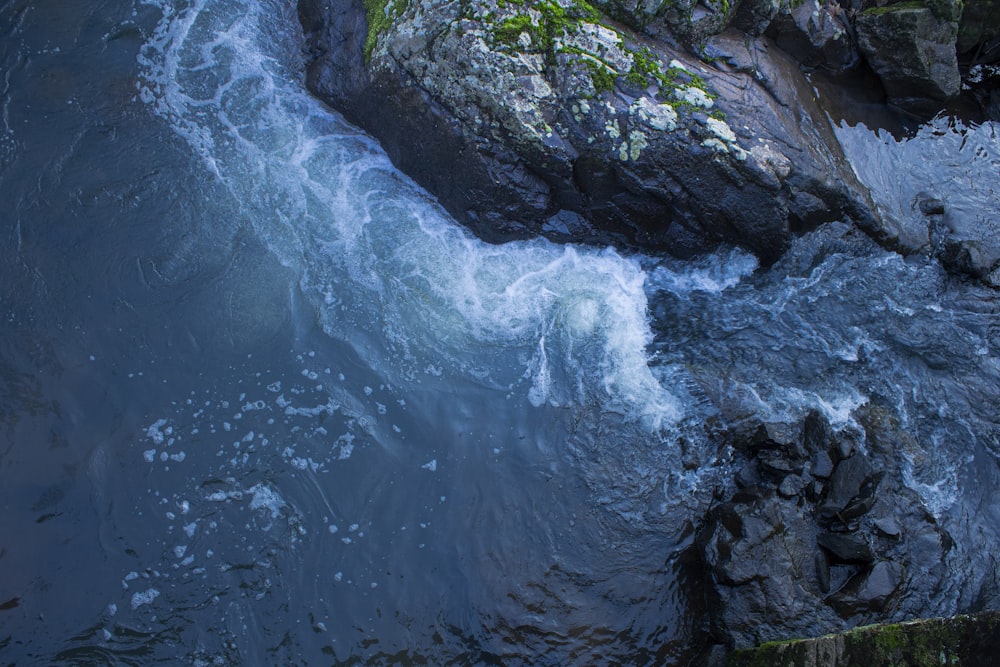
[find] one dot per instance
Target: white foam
(373, 248)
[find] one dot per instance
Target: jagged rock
(816, 35)
(754, 16)
(911, 46)
(869, 590)
(822, 465)
(846, 548)
(846, 484)
(524, 120)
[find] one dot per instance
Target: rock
(911, 46)
(929, 204)
(979, 25)
(817, 35)
(535, 118)
(816, 433)
(972, 641)
(970, 257)
(868, 591)
(822, 465)
(754, 16)
(846, 548)
(845, 484)
(823, 571)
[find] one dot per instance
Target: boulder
(551, 118)
(911, 47)
(817, 35)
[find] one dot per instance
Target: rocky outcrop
(817, 534)
(550, 118)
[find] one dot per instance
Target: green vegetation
(380, 15)
(944, 641)
(550, 23)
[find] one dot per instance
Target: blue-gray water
(263, 402)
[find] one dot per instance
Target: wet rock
(823, 571)
(845, 484)
(816, 433)
(822, 465)
(911, 47)
(888, 525)
(869, 590)
(929, 204)
(846, 548)
(565, 116)
(792, 485)
(971, 257)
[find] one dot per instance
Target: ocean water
(264, 402)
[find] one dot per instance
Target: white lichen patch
(677, 64)
(636, 141)
(658, 116)
(721, 129)
(611, 127)
(695, 97)
(723, 139)
(603, 43)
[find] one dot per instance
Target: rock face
(550, 118)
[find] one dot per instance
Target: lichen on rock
(482, 101)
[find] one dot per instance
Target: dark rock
(912, 49)
(970, 257)
(777, 463)
(816, 433)
(845, 484)
(869, 590)
(731, 152)
(822, 465)
(888, 525)
(823, 571)
(979, 25)
(846, 548)
(929, 205)
(792, 485)
(754, 16)
(816, 35)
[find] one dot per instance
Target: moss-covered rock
(960, 641)
(516, 113)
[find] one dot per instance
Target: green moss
(380, 15)
(602, 77)
(888, 9)
(928, 643)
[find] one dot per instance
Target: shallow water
(264, 402)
